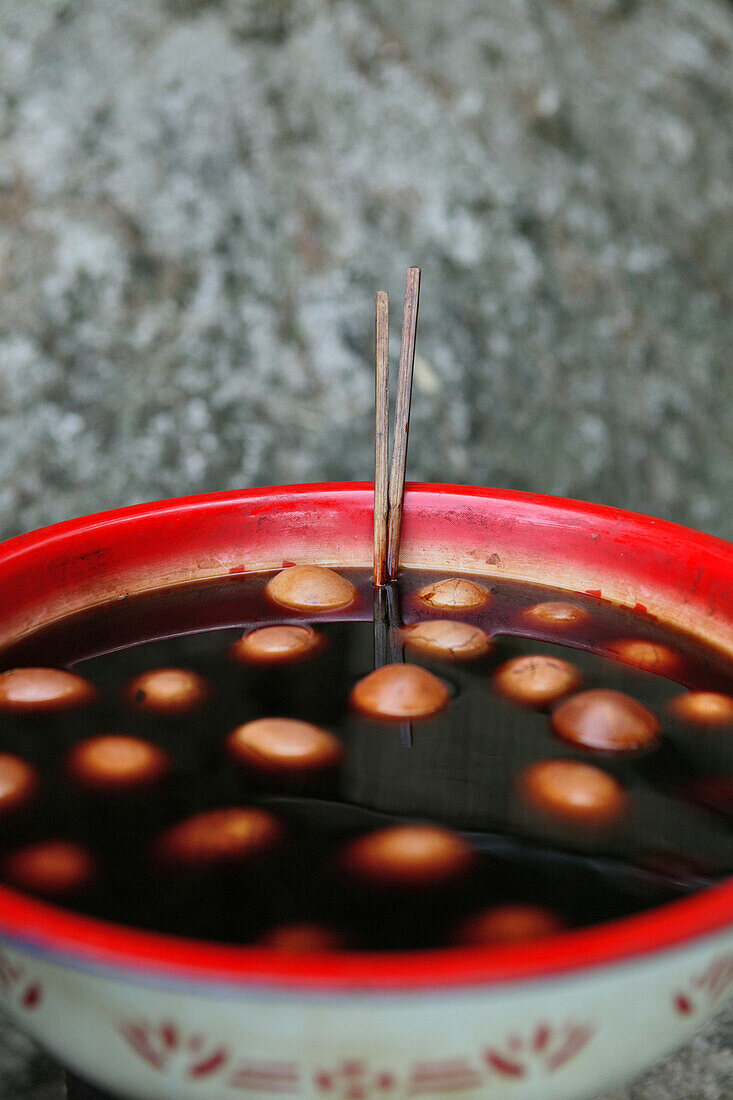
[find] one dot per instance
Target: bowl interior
(677, 575)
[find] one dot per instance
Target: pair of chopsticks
(389, 484)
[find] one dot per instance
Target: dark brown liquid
(460, 771)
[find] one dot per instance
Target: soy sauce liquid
(460, 771)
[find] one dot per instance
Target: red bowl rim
(82, 942)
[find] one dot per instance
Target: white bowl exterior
(559, 1039)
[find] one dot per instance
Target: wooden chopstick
(402, 421)
(381, 436)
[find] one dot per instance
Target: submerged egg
(668, 864)
(447, 639)
(230, 835)
(556, 613)
(536, 680)
(648, 656)
(576, 793)
(269, 645)
(18, 782)
(310, 588)
(715, 792)
(284, 747)
(703, 708)
(515, 923)
(399, 691)
(606, 720)
(303, 939)
(167, 691)
(43, 691)
(51, 867)
(454, 594)
(409, 855)
(114, 761)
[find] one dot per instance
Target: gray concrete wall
(199, 200)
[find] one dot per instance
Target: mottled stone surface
(199, 200)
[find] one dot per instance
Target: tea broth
(462, 770)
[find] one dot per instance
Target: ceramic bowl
(148, 1016)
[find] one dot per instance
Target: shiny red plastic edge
(84, 559)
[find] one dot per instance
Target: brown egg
(43, 691)
(447, 639)
(703, 708)
(399, 691)
(536, 680)
(409, 856)
(114, 761)
(578, 794)
(649, 656)
(284, 747)
(454, 594)
(52, 868)
(167, 691)
(18, 783)
(303, 939)
(606, 720)
(508, 924)
(231, 835)
(269, 645)
(310, 588)
(556, 613)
